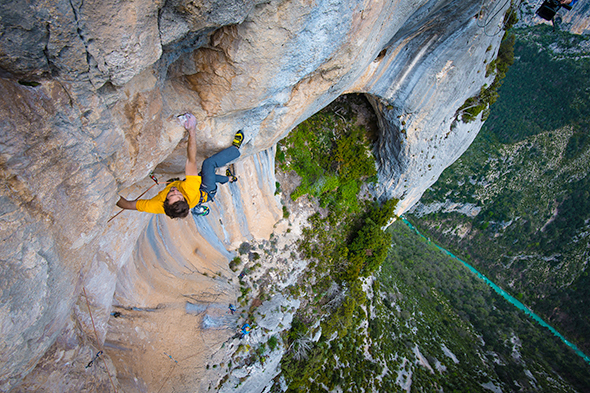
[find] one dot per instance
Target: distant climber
(549, 8)
(179, 197)
(245, 330)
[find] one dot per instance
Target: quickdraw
(153, 177)
(171, 357)
(94, 359)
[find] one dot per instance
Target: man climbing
(245, 330)
(179, 197)
(568, 2)
(549, 8)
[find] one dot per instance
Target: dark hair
(177, 209)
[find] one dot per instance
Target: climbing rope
(169, 372)
(97, 340)
(495, 11)
(153, 177)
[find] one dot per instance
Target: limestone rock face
(109, 80)
(416, 96)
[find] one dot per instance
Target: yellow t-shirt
(189, 188)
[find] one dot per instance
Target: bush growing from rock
(245, 247)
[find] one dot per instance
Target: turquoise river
(506, 296)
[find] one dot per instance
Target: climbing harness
(201, 210)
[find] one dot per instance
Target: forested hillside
(387, 311)
(516, 205)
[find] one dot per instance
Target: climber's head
(175, 205)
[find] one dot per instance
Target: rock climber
(179, 197)
(245, 330)
(549, 8)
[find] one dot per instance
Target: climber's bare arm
(125, 204)
(191, 168)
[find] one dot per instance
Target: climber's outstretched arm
(125, 204)
(191, 168)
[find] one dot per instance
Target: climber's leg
(209, 178)
(221, 179)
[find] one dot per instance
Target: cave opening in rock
(389, 143)
(358, 108)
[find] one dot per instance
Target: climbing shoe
(238, 139)
(200, 210)
(232, 178)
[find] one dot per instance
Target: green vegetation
(272, 343)
(234, 263)
(449, 305)
(391, 317)
(244, 248)
(332, 157)
(546, 89)
(28, 83)
(423, 306)
(473, 106)
(433, 325)
(528, 173)
(344, 243)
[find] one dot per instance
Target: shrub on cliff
(332, 155)
(473, 106)
(343, 244)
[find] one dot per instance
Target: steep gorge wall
(113, 76)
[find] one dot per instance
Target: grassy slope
(527, 170)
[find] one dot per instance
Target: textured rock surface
(417, 85)
(113, 76)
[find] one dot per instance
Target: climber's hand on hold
(190, 123)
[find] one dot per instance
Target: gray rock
(23, 37)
